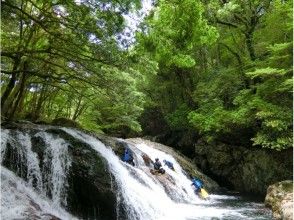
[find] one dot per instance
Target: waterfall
(20, 201)
(144, 195)
(57, 162)
(4, 139)
(34, 175)
(41, 191)
(50, 179)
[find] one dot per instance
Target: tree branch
(226, 23)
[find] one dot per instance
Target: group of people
(158, 166)
(128, 158)
(196, 182)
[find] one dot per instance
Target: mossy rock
(65, 122)
(245, 169)
(280, 199)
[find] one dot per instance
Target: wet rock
(49, 217)
(91, 193)
(248, 170)
(65, 122)
(280, 199)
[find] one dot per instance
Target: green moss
(287, 186)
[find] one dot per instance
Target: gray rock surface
(280, 199)
(249, 170)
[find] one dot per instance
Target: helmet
(156, 159)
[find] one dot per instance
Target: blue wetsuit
(197, 183)
(169, 164)
(127, 157)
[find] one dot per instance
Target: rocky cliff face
(243, 169)
(280, 199)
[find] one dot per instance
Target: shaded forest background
(219, 69)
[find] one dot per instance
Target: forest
(218, 68)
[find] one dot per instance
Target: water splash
(4, 139)
(51, 178)
(20, 201)
(141, 194)
(56, 165)
(145, 196)
(34, 176)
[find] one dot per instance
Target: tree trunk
(41, 99)
(20, 94)
(11, 83)
(249, 44)
(77, 109)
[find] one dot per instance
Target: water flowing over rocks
(51, 172)
(280, 198)
(66, 170)
(185, 162)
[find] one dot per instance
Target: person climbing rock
(128, 157)
(147, 159)
(198, 184)
(199, 190)
(169, 164)
(158, 167)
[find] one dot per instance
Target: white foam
(144, 196)
(20, 201)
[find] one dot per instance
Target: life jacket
(127, 156)
(157, 165)
(198, 183)
(169, 164)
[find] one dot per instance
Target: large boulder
(280, 199)
(244, 169)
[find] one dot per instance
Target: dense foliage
(225, 68)
(220, 68)
(63, 59)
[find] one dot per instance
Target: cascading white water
(34, 175)
(139, 198)
(57, 162)
(21, 143)
(4, 139)
(144, 195)
(20, 201)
